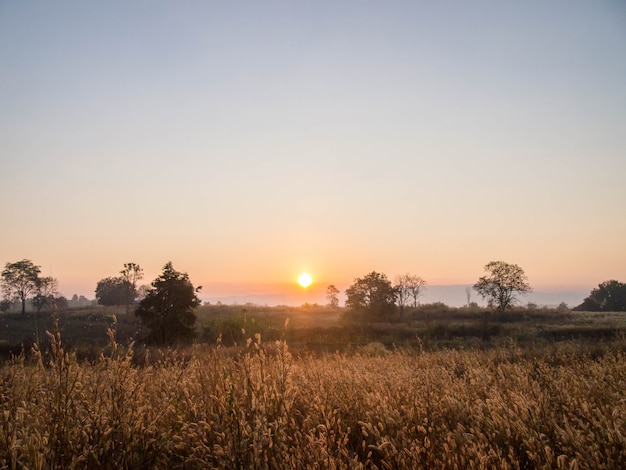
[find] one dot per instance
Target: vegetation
(258, 406)
(167, 308)
(372, 296)
(18, 281)
(46, 293)
(317, 329)
(131, 274)
(358, 387)
(609, 296)
(408, 287)
(120, 290)
(113, 291)
(501, 284)
(331, 295)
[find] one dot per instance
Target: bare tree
(47, 288)
(131, 274)
(401, 284)
(331, 295)
(409, 287)
(417, 285)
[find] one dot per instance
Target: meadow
(447, 399)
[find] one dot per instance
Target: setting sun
(305, 280)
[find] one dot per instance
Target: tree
(402, 290)
(609, 296)
(503, 282)
(81, 301)
(131, 274)
(372, 295)
(112, 291)
(331, 295)
(167, 308)
(409, 286)
(19, 280)
(46, 291)
(61, 303)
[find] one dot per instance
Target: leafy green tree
(609, 296)
(372, 295)
(167, 308)
(113, 291)
(502, 284)
(19, 280)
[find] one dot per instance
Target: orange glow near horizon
(305, 280)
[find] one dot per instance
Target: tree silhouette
(47, 288)
(167, 308)
(409, 286)
(19, 280)
(609, 296)
(113, 291)
(131, 274)
(502, 283)
(372, 295)
(331, 295)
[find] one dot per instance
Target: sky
(248, 142)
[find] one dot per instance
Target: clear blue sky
(250, 141)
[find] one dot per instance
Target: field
(540, 389)
(320, 329)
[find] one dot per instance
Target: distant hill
(455, 296)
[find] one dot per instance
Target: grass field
(542, 390)
(320, 329)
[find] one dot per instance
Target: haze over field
(248, 142)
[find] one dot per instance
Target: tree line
(167, 306)
(376, 297)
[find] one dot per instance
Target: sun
(305, 280)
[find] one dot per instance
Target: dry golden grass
(261, 408)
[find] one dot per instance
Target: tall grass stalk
(259, 407)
